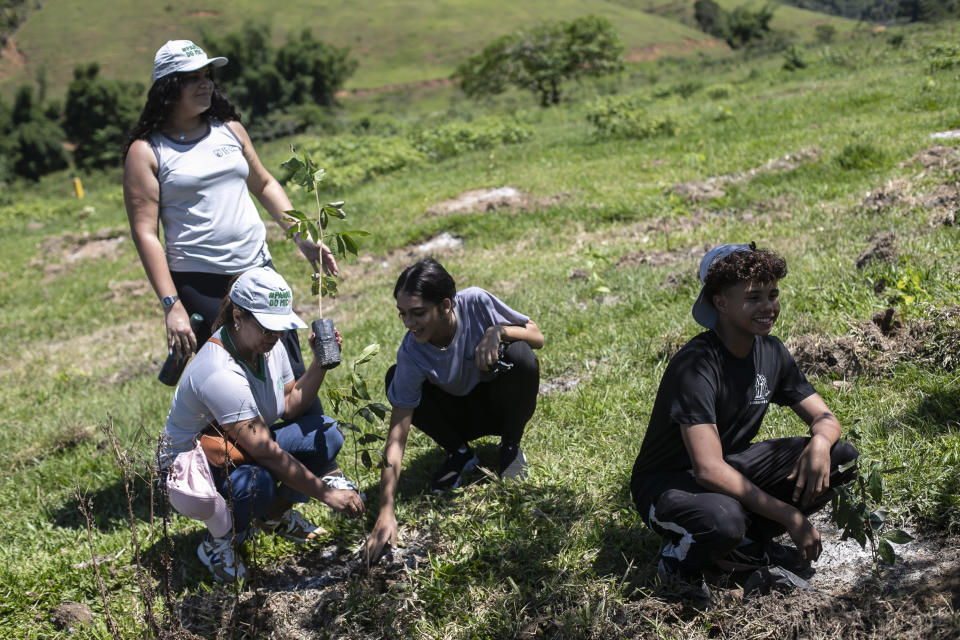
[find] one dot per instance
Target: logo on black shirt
(761, 391)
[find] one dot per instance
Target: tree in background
(541, 59)
(739, 28)
(97, 115)
(279, 85)
(31, 141)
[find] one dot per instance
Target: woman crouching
(230, 396)
(465, 369)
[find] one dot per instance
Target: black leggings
(500, 407)
(202, 293)
(703, 526)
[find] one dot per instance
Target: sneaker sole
(471, 464)
(217, 575)
(517, 469)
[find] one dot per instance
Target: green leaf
(315, 288)
(318, 175)
(313, 231)
(294, 213)
(897, 536)
(886, 552)
(350, 426)
(875, 483)
(367, 415)
(323, 219)
(365, 459)
(367, 354)
(348, 243)
(380, 409)
(367, 438)
(336, 212)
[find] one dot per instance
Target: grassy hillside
(395, 42)
(818, 164)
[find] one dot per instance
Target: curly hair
(163, 97)
(756, 265)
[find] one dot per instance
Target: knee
(253, 483)
(522, 357)
(332, 440)
(841, 454)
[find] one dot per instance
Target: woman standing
(190, 166)
(465, 369)
(236, 389)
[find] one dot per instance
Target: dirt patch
(712, 188)
(11, 58)
(937, 158)
(872, 347)
(70, 616)
(126, 289)
(657, 51)
(559, 384)
(894, 193)
(203, 14)
(304, 594)
(496, 199)
(943, 204)
(656, 258)
(59, 254)
(881, 249)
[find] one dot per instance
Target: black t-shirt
(706, 384)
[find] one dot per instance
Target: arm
(298, 395)
(141, 196)
(385, 530)
(486, 352)
(812, 470)
(712, 472)
(274, 199)
(254, 436)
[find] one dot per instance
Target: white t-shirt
(216, 386)
(210, 223)
(452, 368)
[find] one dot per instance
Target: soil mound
(497, 199)
(937, 158)
(873, 347)
(881, 249)
(656, 258)
(58, 254)
(712, 188)
(894, 193)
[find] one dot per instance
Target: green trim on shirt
(233, 351)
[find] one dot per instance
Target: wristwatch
(168, 301)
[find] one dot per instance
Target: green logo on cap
(282, 298)
(192, 50)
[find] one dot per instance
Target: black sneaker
(513, 464)
(451, 471)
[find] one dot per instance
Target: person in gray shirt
(465, 369)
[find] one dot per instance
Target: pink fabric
(193, 494)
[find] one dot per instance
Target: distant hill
(395, 42)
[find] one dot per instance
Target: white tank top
(210, 223)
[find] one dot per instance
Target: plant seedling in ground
(856, 510)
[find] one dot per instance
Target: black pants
(701, 526)
(202, 293)
(500, 407)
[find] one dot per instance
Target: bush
(825, 33)
(860, 155)
(543, 58)
(39, 149)
(793, 59)
(455, 138)
(97, 115)
(720, 92)
(625, 118)
(351, 160)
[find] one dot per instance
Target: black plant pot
(325, 347)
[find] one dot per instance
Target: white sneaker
(221, 558)
(339, 481)
(292, 526)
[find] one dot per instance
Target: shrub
(543, 58)
(97, 115)
(825, 33)
(720, 92)
(356, 159)
(793, 59)
(943, 57)
(860, 155)
(625, 118)
(456, 138)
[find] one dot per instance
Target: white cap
(703, 310)
(264, 293)
(181, 56)
(192, 492)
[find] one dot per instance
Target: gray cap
(264, 293)
(703, 310)
(181, 56)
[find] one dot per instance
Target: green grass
(82, 345)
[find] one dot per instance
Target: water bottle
(175, 364)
